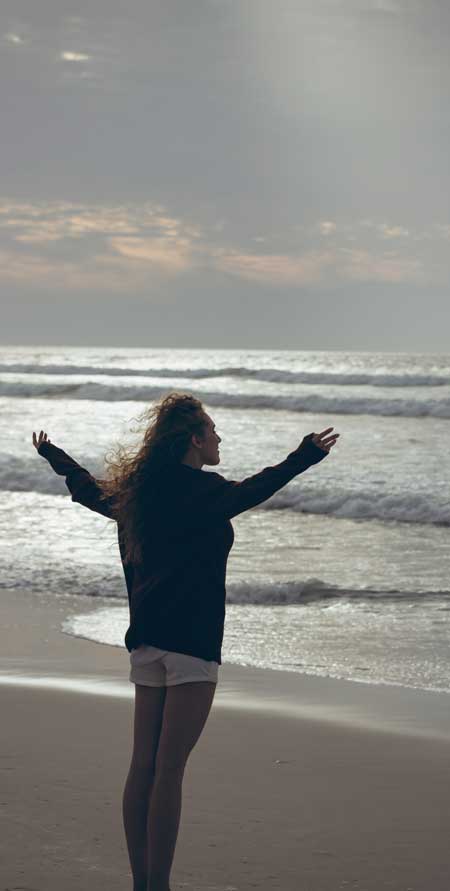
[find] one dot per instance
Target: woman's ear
(196, 441)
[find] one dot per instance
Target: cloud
(95, 245)
(320, 267)
(385, 230)
(74, 57)
(61, 220)
(39, 236)
(327, 227)
(393, 231)
(173, 255)
(122, 246)
(13, 38)
(99, 273)
(280, 269)
(364, 266)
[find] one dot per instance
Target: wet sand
(297, 783)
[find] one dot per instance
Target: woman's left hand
(323, 441)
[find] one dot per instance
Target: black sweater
(177, 595)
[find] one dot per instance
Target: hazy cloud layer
(218, 158)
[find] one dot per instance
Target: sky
(226, 173)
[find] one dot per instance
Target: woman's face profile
(209, 450)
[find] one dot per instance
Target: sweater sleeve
(229, 498)
(82, 486)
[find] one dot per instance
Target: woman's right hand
(42, 438)
(321, 440)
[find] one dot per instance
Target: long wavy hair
(132, 470)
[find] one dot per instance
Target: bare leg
(163, 824)
(148, 712)
(186, 709)
(135, 805)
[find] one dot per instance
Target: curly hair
(173, 421)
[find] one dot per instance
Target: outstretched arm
(82, 486)
(216, 498)
(231, 497)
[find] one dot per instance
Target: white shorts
(161, 668)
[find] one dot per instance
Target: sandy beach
(297, 783)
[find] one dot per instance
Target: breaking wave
(313, 403)
(275, 375)
(18, 475)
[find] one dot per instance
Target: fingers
(324, 432)
(325, 442)
(42, 438)
(331, 440)
(328, 430)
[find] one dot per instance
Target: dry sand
(297, 783)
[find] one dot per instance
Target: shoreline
(384, 708)
(297, 783)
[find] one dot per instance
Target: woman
(174, 535)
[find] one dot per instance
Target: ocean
(344, 573)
